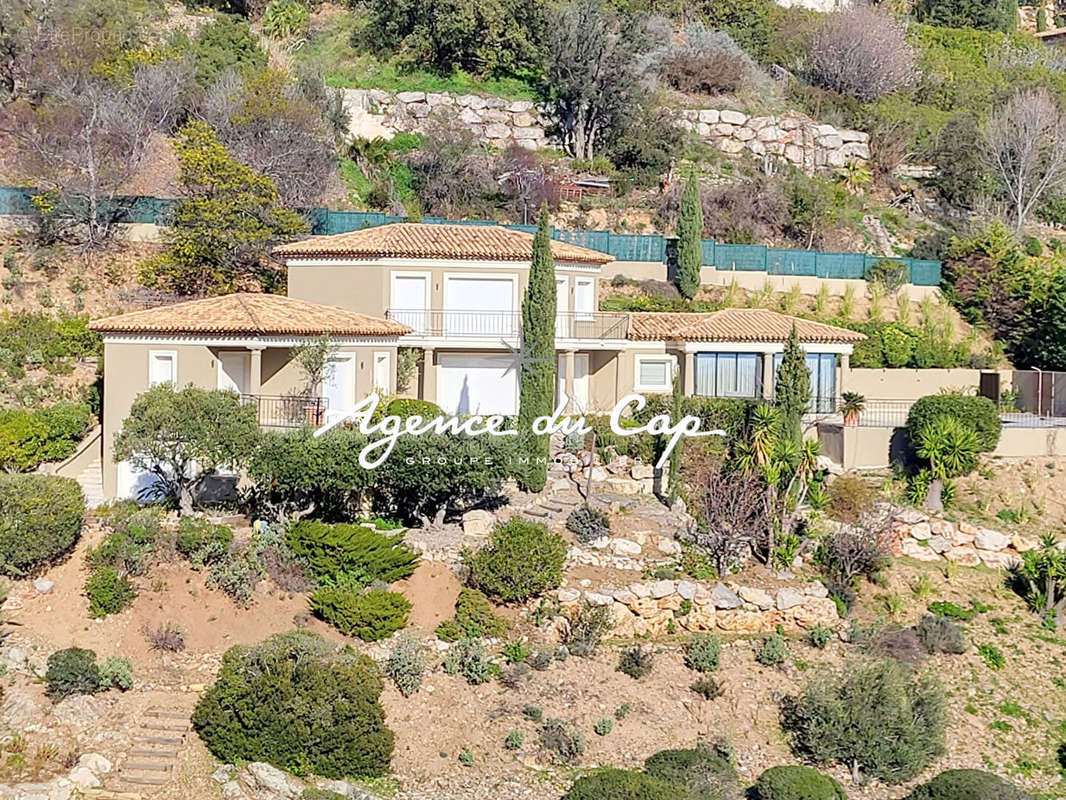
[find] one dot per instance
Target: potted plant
(853, 405)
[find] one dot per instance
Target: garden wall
(908, 384)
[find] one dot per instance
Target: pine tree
(792, 391)
(689, 244)
(537, 387)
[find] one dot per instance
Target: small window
(655, 374)
(162, 368)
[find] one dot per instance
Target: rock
(988, 539)
(757, 597)
(411, 97)
(273, 781)
(997, 560)
(624, 596)
(95, 763)
(816, 611)
(478, 522)
(733, 117)
(966, 556)
(921, 531)
(661, 589)
(43, 585)
(816, 589)
(915, 550)
(1024, 544)
(20, 709)
(600, 544)
(598, 599)
(641, 590)
(567, 596)
(723, 597)
(518, 106)
(625, 547)
(668, 545)
(231, 790)
(687, 589)
(741, 622)
(641, 472)
(911, 516)
(83, 778)
(497, 131)
(672, 602)
(788, 598)
(623, 485)
(731, 146)
(744, 134)
(963, 535)
(222, 774)
(939, 544)
(709, 115)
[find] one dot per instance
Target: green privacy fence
(623, 246)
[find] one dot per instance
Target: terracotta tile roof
(734, 325)
(423, 240)
(250, 313)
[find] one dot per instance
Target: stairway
(156, 746)
(91, 480)
(556, 507)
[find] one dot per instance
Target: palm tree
(951, 447)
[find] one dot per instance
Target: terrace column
(688, 376)
(845, 369)
(429, 376)
(767, 375)
(568, 387)
(255, 373)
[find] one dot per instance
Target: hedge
(29, 438)
(978, 412)
(361, 554)
(299, 703)
(371, 616)
(40, 521)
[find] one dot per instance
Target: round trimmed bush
(40, 521)
(299, 703)
(797, 783)
(703, 772)
(967, 784)
(522, 559)
(980, 413)
(73, 671)
(371, 615)
(621, 784)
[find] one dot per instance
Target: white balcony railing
(447, 324)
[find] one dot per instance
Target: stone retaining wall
(499, 122)
(928, 538)
(654, 607)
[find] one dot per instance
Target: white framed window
(653, 373)
(162, 367)
(382, 371)
(584, 298)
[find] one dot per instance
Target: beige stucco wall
(856, 447)
(907, 384)
(1031, 442)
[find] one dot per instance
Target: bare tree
(734, 517)
(453, 170)
(1025, 148)
(863, 51)
(88, 135)
(591, 72)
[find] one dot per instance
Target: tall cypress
(537, 387)
(689, 240)
(792, 391)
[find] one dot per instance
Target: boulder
(966, 556)
(997, 560)
(478, 522)
(920, 531)
(687, 590)
(816, 611)
(741, 621)
(816, 589)
(624, 547)
(95, 763)
(1024, 544)
(988, 539)
(641, 472)
(661, 589)
(733, 117)
(939, 544)
(709, 115)
(723, 597)
(83, 778)
(668, 545)
(915, 550)
(567, 596)
(411, 97)
(757, 597)
(43, 585)
(788, 598)
(272, 781)
(640, 589)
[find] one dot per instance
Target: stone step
(144, 780)
(160, 740)
(535, 511)
(109, 794)
(166, 714)
(143, 752)
(147, 766)
(179, 727)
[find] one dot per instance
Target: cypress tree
(674, 473)
(689, 236)
(537, 380)
(792, 391)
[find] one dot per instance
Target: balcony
(445, 324)
(288, 411)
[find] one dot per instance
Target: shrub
(73, 671)
(515, 739)
(108, 592)
(30, 437)
(863, 52)
(873, 716)
(820, 636)
(51, 507)
(995, 15)
(168, 636)
(703, 652)
(708, 62)
(286, 690)
(117, 671)
(707, 687)
(797, 783)
(467, 658)
(980, 413)
(522, 559)
(941, 635)
(533, 713)
(705, 772)
(902, 644)
(540, 660)
(774, 650)
(411, 406)
(360, 554)
(474, 617)
(967, 784)
(562, 740)
(992, 656)
(406, 665)
(621, 784)
(588, 628)
(284, 18)
(850, 497)
(237, 574)
(370, 615)
(588, 523)
(128, 550)
(636, 662)
(201, 541)
(515, 675)
(603, 726)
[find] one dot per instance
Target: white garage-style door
(480, 306)
(477, 384)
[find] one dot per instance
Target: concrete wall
(859, 447)
(907, 384)
(1031, 442)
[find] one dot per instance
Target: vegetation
(76, 671)
(474, 618)
(521, 560)
(690, 240)
(703, 652)
(588, 523)
(797, 783)
(30, 438)
(108, 591)
(967, 784)
(51, 507)
(368, 614)
(286, 689)
(351, 554)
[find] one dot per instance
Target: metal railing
(508, 324)
(288, 411)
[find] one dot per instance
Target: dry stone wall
(928, 538)
(499, 122)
